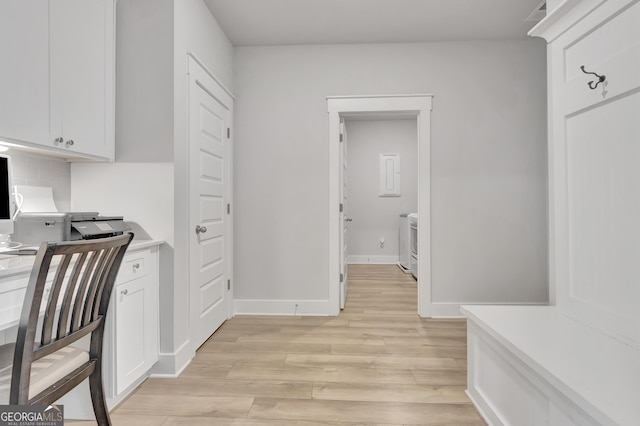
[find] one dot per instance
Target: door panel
(209, 120)
(344, 218)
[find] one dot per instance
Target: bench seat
(534, 365)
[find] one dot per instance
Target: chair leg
(97, 396)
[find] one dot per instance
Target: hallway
(377, 363)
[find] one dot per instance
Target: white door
(209, 127)
(344, 219)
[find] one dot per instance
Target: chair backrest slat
(78, 304)
(67, 300)
(94, 287)
(52, 303)
(110, 257)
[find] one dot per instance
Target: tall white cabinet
(577, 362)
(57, 78)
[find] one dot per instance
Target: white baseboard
(170, 365)
(376, 260)
(285, 307)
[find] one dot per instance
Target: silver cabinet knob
(58, 141)
(69, 143)
(201, 229)
(124, 292)
(348, 219)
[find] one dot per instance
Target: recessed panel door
(343, 215)
(209, 121)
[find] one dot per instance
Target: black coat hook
(601, 78)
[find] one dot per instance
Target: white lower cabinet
(133, 347)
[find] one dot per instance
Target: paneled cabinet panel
(24, 74)
(135, 318)
(59, 93)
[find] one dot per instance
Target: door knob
(201, 229)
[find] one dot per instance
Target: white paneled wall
(29, 169)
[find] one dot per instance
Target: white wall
(488, 163)
(117, 189)
(376, 217)
(144, 81)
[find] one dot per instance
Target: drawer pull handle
(601, 78)
(124, 292)
(136, 266)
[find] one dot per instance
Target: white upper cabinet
(24, 73)
(59, 90)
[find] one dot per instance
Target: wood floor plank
(123, 420)
(365, 412)
(363, 361)
(358, 339)
(435, 378)
(186, 405)
(419, 350)
(203, 386)
(427, 340)
(229, 359)
(324, 374)
(355, 331)
(217, 421)
(391, 393)
(266, 347)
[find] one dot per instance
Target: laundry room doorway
(341, 108)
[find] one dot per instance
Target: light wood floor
(377, 363)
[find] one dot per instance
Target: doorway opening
(407, 106)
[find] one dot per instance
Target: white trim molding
(418, 105)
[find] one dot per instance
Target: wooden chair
(40, 371)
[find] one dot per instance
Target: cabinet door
(24, 73)
(136, 330)
(82, 75)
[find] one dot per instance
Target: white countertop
(14, 265)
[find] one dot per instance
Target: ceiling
(285, 22)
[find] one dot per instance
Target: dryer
(404, 248)
(413, 243)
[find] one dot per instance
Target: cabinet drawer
(135, 265)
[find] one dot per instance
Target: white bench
(533, 365)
